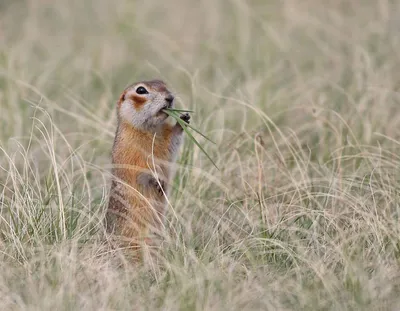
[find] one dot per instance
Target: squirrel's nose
(169, 99)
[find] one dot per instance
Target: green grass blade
(185, 128)
(195, 141)
(179, 110)
(176, 116)
(198, 132)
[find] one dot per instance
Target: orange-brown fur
(138, 101)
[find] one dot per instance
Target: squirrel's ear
(121, 98)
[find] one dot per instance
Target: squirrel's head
(141, 104)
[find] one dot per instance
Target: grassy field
(302, 100)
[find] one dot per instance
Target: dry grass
(302, 100)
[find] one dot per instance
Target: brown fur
(138, 101)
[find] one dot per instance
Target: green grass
(301, 100)
(174, 113)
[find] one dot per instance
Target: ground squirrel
(145, 147)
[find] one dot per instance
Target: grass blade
(176, 116)
(179, 110)
(198, 132)
(185, 128)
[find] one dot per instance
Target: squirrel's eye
(141, 90)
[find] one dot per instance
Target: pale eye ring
(141, 90)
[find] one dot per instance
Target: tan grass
(301, 98)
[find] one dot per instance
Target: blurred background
(274, 55)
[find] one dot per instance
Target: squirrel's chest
(140, 154)
(137, 158)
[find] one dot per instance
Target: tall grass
(302, 102)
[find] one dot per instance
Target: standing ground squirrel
(144, 150)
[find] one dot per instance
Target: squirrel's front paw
(148, 180)
(158, 185)
(185, 117)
